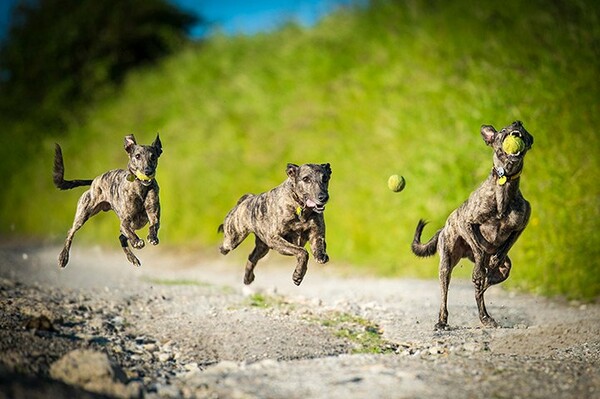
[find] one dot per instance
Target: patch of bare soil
(186, 327)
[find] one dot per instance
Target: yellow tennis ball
(396, 183)
(142, 176)
(513, 144)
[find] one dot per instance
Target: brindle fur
(134, 201)
(485, 227)
(283, 219)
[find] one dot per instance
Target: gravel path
(184, 326)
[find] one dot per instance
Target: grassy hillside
(395, 88)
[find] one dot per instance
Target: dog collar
(140, 176)
(502, 177)
(299, 211)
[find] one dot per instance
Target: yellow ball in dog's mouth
(396, 183)
(140, 176)
(513, 144)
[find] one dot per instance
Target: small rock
(41, 323)
(436, 350)
(223, 367)
(191, 366)
(95, 372)
(150, 347)
(164, 357)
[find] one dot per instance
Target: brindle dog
(131, 193)
(485, 227)
(283, 219)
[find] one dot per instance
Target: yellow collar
(503, 178)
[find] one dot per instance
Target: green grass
(400, 87)
(365, 335)
(268, 301)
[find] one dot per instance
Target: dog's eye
(137, 156)
(306, 179)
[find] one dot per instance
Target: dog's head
(310, 183)
(508, 163)
(143, 159)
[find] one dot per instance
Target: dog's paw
(488, 322)
(297, 280)
(133, 260)
(496, 261)
(248, 278)
(441, 326)
(223, 251)
(139, 244)
(322, 258)
(153, 240)
(63, 259)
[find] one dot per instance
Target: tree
(59, 53)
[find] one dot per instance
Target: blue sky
(249, 17)
(237, 16)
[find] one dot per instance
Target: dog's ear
(129, 143)
(292, 170)
(327, 168)
(157, 144)
(488, 132)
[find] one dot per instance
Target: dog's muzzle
(319, 208)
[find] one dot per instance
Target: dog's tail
(427, 249)
(58, 173)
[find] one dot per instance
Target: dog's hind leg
(231, 239)
(130, 256)
(85, 210)
(451, 249)
(259, 251)
(445, 272)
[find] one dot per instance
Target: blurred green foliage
(61, 53)
(396, 87)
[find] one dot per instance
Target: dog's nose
(148, 171)
(323, 197)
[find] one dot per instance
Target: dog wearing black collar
(486, 226)
(283, 219)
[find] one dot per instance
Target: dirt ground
(184, 326)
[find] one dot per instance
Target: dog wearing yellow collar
(131, 193)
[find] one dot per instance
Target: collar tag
(502, 180)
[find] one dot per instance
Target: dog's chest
(131, 201)
(497, 230)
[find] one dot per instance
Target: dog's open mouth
(319, 208)
(513, 143)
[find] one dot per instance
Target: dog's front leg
(152, 206)
(127, 231)
(317, 242)
(479, 279)
(285, 247)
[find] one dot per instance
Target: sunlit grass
(397, 88)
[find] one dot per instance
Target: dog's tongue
(310, 203)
